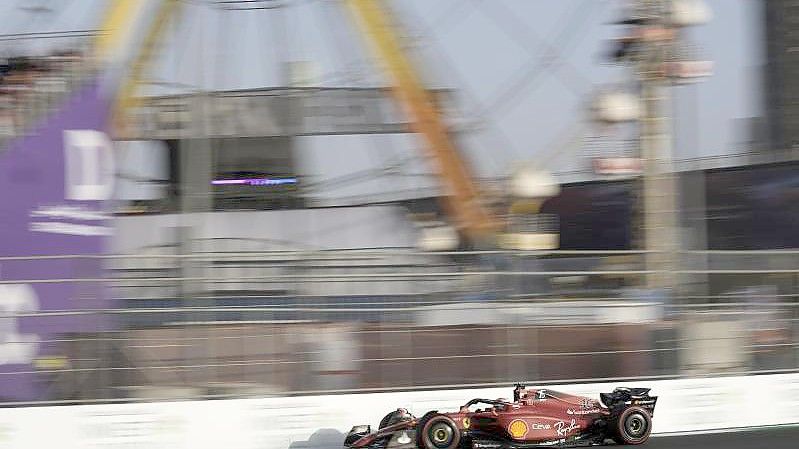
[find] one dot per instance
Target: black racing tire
(632, 426)
(436, 431)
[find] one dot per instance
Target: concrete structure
(261, 133)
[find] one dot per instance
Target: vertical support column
(196, 168)
(195, 198)
(694, 222)
(659, 187)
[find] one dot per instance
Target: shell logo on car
(517, 428)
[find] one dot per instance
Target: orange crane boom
(460, 194)
(121, 48)
(127, 99)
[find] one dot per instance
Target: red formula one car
(535, 418)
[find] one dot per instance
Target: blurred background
(211, 199)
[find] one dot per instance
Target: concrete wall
(322, 421)
(248, 231)
(326, 228)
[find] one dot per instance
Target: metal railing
(228, 324)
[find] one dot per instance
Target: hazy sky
(491, 50)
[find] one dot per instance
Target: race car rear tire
(438, 431)
(632, 426)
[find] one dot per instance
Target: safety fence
(242, 324)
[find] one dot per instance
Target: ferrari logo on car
(467, 422)
(517, 428)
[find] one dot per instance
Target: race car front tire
(632, 426)
(438, 431)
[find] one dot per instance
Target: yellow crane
(462, 201)
(461, 198)
(118, 47)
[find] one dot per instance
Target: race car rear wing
(622, 397)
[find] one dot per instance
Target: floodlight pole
(659, 188)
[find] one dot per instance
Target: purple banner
(54, 184)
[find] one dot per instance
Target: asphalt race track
(777, 437)
(767, 438)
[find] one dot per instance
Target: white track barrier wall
(319, 422)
